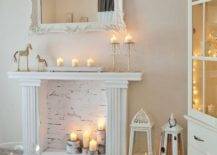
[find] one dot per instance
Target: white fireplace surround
(116, 85)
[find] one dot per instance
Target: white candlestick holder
(115, 47)
(130, 48)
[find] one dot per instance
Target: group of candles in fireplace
(88, 145)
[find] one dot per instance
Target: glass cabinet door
(211, 28)
(204, 57)
(197, 38)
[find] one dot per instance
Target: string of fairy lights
(211, 51)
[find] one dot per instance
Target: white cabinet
(202, 77)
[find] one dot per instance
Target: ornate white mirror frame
(109, 20)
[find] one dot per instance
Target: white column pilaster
(30, 116)
(116, 137)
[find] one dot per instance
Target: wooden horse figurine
(23, 53)
(41, 62)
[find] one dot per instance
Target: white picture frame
(110, 20)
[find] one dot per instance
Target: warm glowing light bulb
(194, 82)
(194, 63)
(195, 92)
(196, 101)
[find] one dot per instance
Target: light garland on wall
(196, 95)
(212, 45)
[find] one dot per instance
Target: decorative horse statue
(23, 53)
(41, 61)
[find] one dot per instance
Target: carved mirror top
(65, 17)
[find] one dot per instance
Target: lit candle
(90, 62)
(93, 145)
(86, 139)
(75, 62)
(128, 39)
(114, 40)
(73, 136)
(101, 124)
(60, 62)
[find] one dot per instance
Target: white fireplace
(46, 94)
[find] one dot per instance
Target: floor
(9, 152)
(12, 152)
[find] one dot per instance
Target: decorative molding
(113, 22)
(30, 119)
(30, 83)
(116, 139)
(105, 76)
(117, 84)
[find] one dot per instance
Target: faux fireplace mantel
(116, 85)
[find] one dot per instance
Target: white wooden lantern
(141, 123)
(171, 140)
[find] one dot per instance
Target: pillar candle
(128, 39)
(86, 139)
(101, 124)
(73, 136)
(113, 40)
(90, 62)
(60, 62)
(75, 62)
(93, 145)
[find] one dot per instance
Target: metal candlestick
(115, 47)
(130, 47)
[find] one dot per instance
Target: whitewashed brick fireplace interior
(71, 106)
(55, 103)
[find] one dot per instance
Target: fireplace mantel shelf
(107, 76)
(116, 87)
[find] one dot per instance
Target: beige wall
(160, 30)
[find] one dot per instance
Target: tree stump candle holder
(85, 151)
(73, 147)
(101, 141)
(101, 149)
(93, 153)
